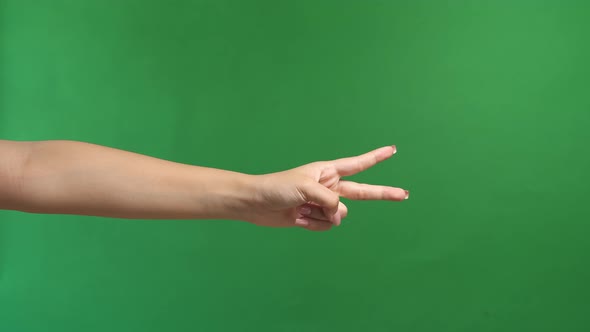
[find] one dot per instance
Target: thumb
(324, 197)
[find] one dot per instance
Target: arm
(68, 177)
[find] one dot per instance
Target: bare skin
(69, 177)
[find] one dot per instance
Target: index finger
(353, 165)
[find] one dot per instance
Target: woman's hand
(309, 196)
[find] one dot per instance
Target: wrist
(231, 196)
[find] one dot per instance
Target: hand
(309, 196)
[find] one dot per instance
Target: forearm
(78, 178)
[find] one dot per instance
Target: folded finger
(317, 212)
(313, 224)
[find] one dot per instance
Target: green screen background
(487, 101)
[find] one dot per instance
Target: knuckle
(335, 201)
(359, 164)
(362, 193)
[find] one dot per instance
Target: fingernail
(301, 222)
(407, 194)
(394, 149)
(305, 210)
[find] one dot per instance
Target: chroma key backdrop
(488, 103)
